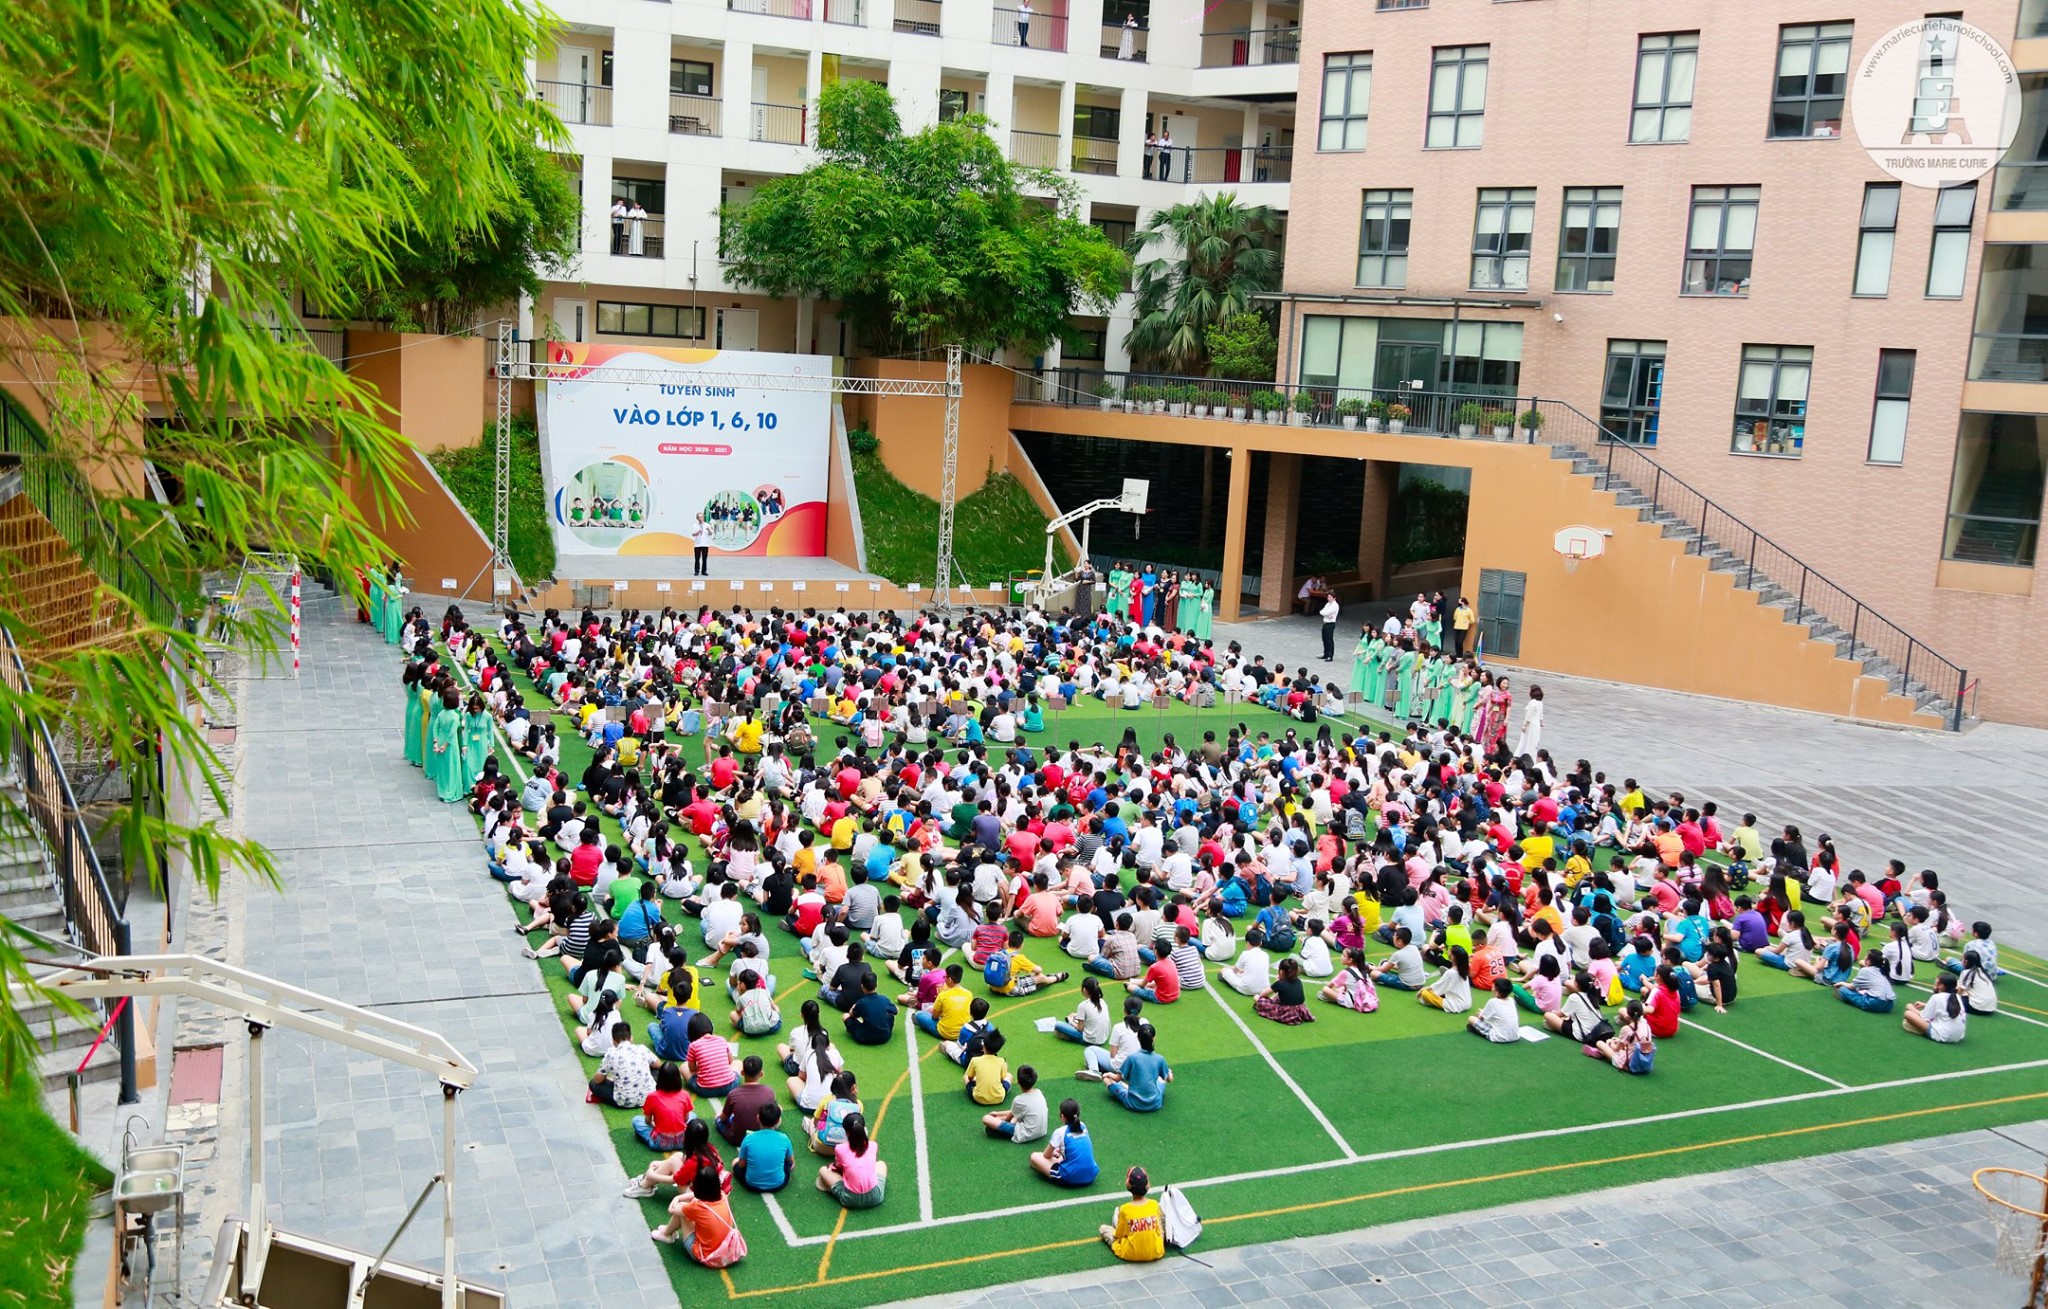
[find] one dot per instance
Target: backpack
(973, 1039)
(996, 972)
(1179, 1222)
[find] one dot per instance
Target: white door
(760, 103)
(572, 320)
(739, 329)
(584, 75)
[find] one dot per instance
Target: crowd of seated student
(945, 823)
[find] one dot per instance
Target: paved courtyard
(384, 906)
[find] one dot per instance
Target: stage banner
(629, 466)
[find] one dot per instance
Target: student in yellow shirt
(949, 1010)
(1139, 1234)
(1632, 801)
(988, 1074)
(746, 737)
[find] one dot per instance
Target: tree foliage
(924, 239)
(177, 173)
(1223, 255)
(1241, 347)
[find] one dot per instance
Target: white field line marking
(2032, 981)
(789, 1235)
(1281, 1073)
(1744, 1045)
(2002, 1012)
(1385, 1155)
(924, 1167)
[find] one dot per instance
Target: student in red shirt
(1161, 983)
(1662, 1006)
(724, 769)
(665, 1117)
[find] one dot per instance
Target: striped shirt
(578, 939)
(712, 1059)
(1187, 961)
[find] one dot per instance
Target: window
(688, 77)
(1383, 238)
(615, 318)
(1888, 414)
(1634, 390)
(1720, 239)
(651, 192)
(952, 104)
(1949, 262)
(1481, 358)
(1500, 240)
(1664, 72)
(1994, 501)
(1876, 232)
(1457, 98)
(1347, 87)
(1813, 75)
(1083, 345)
(1770, 399)
(1592, 234)
(1500, 611)
(1097, 123)
(2011, 344)
(1345, 353)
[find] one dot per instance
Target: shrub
(1399, 413)
(1499, 418)
(1268, 401)
(1105, 390)
(1469, 414)
(1215, 399)
(862, 442)
(1376, 408)
(1350, 407)
(1532, 421)
(1304, 402)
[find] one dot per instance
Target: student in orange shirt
(704, 1221)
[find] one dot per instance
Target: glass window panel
(1473, 88)
(1319, 344)
(1874, 263)
(1756, 381)
(1955, 206)
(1741, 227)
(1895, 373)
(1443, 89)
(1644, 125)
(1679, 86)
(1471, 131)
(1792, 380)
(1333, 93)
(1706, 227)
(1650, 78)
(1832, 59)
(1678, 123)
(1442, 134)
(1880, 206)
(1949, 264)
(1502, 342)
(1888, 431)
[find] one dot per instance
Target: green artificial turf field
(1352, 1120)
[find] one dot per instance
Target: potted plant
(1468, 417)
(1351, 409)
(1304, 403)
(1397, 418)
(1217, 401)
(1105, 392)
(1375, 414)
(1275, 405)
(1240, 405)
(1185, 395)
(1532, 422)
(1502, 422)
(1160, 396)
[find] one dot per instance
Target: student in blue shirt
(1232, 895)
(765, 1156)
(1639, 965)
(1140, 1085)
(1689, 932)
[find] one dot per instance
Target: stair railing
(1627, 466)
(92, 918)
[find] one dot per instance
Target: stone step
(54, 1066)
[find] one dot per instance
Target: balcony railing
(637, 238)
(1094, 154)
(578, 102)
(1033, 31)
(1034, 149)
(1120, 42)
(797, 9)
(784, 123)
(847, 13)
(2009, 357)
(918, 17)
(1250, 46)
(1234, 164)
(694, 115)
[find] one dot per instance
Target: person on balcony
(1127, 44)
(1023, 24)
(1166, 154)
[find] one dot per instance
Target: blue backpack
(996, 972)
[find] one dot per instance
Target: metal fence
(784, 123)
(639, 238)
(1251, 46)
(1034, 149)
(798, 9)
(847, 13)
(695, 115)
(918, 17)
(1031, 31)
(1095, 154)
(1113, 36)
(577, 102)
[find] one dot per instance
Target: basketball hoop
(2010, 1195)
(1578, 543)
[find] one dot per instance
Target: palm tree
(1228, 253)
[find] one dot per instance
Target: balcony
(1094, 154)
(577, 102)
(917, 17)
(638, 238)
(1034, 149)
(2009, 357)
(1032, 31)
(1233, 164)
(2020, 185)
(694, 115)
(1114, 37)
(1251, 47)
(847, 13)
(797, 9)
(787, 124)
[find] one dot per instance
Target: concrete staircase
(1931, 707)
(29, 898)
(44, 581)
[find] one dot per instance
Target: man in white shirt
(700, 541)
(1329, 616)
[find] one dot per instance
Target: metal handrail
(1763, 562)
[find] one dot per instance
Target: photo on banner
(631, 464)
